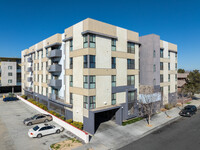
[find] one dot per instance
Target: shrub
(24, 96)
(62, 117)
(168, 106)
(69, 121)
(78, 124)
(131, 121)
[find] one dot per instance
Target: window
(113, 45)
(47, 92)
(161, 78)
(41, 65)
(131, 96)
(154, 53)
(168, 77)
(71, 98)
(42, 54)
(9, 81)
(113, 81)
(176, 55)
(38, 66)
(91, 84)
(161, 90)
(9, 67)
(71, 45)
(168, 54)
(169, 89)
(154, 68)
(175, 77)
(113, 102)
(130, 64)
(47, 65)
(131, 48)
(71, 80)
(161, 65)
(35, 55)
(38, 78)
(161, 53)
(175, 66)
(47, 52)
(113, 63)
(168, 66)
(46, 78)
(9, 73)
(89, 39)
(38, 54)
(71, 63)
(130, 80)
(41, 78)
(91, 59)
(92, 102)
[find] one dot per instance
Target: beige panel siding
(78, 108)
(131, 35)
(83, 51)
(172, 47)
(77, 36)
(120, 97)
(121, 44)
(121, 77)
(69, 32)
(57, 38)
(123, 55)
(99, 72)
(78, 72)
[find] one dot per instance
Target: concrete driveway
(14, 134)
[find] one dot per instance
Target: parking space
(14, 134)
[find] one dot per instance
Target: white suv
(44, 129)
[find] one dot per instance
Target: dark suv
(188, 111)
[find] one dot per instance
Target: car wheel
(46, 120)
(58, 131)
(29, 124)
(39, 135)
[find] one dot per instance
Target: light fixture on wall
(105, 103)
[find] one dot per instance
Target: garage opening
(104, 116)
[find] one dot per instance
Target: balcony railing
(29, 69)
(29, 79)
(55, 55)
(55, 69)
(55, 83)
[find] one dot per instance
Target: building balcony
(55, 83)
(29, 79)
(55, 55)
(55, 69)
(29, 59)
(29, 89)
(55, 98)
(29, 69)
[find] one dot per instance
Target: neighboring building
(89, 73)
(158, 66)
(182, 80)
(10, 75)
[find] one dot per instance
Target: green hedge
(70, 121)
(168, 106)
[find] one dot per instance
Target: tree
(147, 101)
(192, 85)
(181, 71)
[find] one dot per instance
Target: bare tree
(147, 101)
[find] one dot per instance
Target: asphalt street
(183, 134)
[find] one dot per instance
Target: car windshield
(35, 128)
(34, 117)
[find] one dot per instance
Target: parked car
(44, 129)
(39, 118)
(188, 111)
(6, 99)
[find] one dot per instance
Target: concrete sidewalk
(119, 136)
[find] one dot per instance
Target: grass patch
(188, 103)
(131, 121)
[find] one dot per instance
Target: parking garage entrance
(104, 116)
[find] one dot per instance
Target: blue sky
(24, 23)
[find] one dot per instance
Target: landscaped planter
(79, 133)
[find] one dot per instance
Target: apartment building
(158, 67)
(89, 73)
(10, 74)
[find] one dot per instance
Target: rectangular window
(41, 78)
(169, 89)
(161, 90)
(130, 64)
(46, 78)
(9, 67)
(130, 80)
(131, 96)
(47, 92)
(154, 53)
(71, 80)
(92, 102)
(161, 78)
(168, 54)
(9, 81)
(38, 54)
(161, 53)
(131, 47)
(38, 78)
(168, 77)
(47, 52)
(9, 73)
(41, 65)
(85, 82)
(154, 68)
(113, 102)
(89, 39)
(113, 45)
(92, 82)
(161, 65)
(175, 66)
(38, 66)
(85, 41)
(42, 54)
(92, 41)
(176, 55)
(47, 65)
(85, 63)
(91, 59)
(175, 77)
(35, 55)
(71, 45)
(71, 63)
(113, 63)
(168, 66)
(113, 81)
(71, 98)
